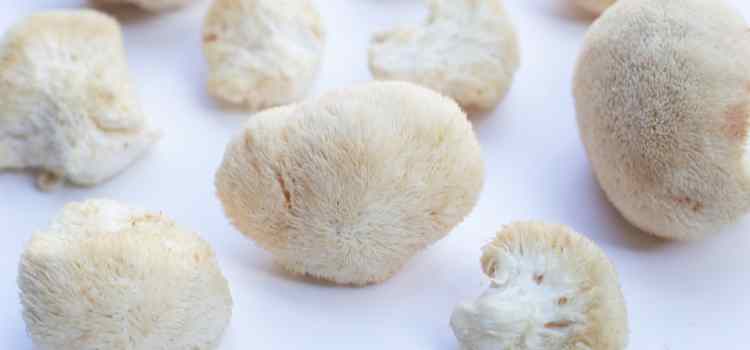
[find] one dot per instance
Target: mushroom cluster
(349, 186)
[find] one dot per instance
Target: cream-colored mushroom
(262, 53)
(148, 5)
(467, 50)
(662, 92)
(105, 276)
(349, 186)
(552, 289)
(67, 107)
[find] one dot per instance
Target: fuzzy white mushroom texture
(552, 289)
(148, 5)
(594, 6)
(468, 50)
(105, 276)
(349, 186)
(67, 107)
(262, 53)
(662, 92)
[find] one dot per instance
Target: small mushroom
(105, 276)
(148, 5)
(349, 186)
(67, 107)
(551, 289)
(467, 50)
(662, 92)
(262, 53)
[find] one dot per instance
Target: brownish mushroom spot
(539, 278)
(285, 191)
(106, 96)
(736, 123)
(87, 295)
(249, 139)
(209, 38)
(558, 324)
(491, 270)
(694, 205)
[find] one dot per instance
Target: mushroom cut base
(552, 289)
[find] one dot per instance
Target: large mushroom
(347, 187)
(105, 276)
(662, 91)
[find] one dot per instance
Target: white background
(681, 296)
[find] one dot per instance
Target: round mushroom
(148, 5)
(67, 107)
(551, 289)
(467, 50)
(662, 91)
(349, 186)
(105, 276)
(262, 53)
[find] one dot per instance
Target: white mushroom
(595, 7)
(467, 50)
(552, 289)
(105, 276)
(262, 53)
(662, 92)
(67, 107)
(349, 186)
(148, 5)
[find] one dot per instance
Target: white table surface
(681, 296)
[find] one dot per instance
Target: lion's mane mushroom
(105, 276)
(148, 5)
(349, 186)
(595, 7)
(662, 91)
(262, 53)
(467, 50)
(66, 103)
(552, 289)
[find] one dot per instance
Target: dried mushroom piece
(67, 108)
(552, 289)
(105, 276)
(349, 186)
(262, 53)
(662, 91)
(467, 50)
